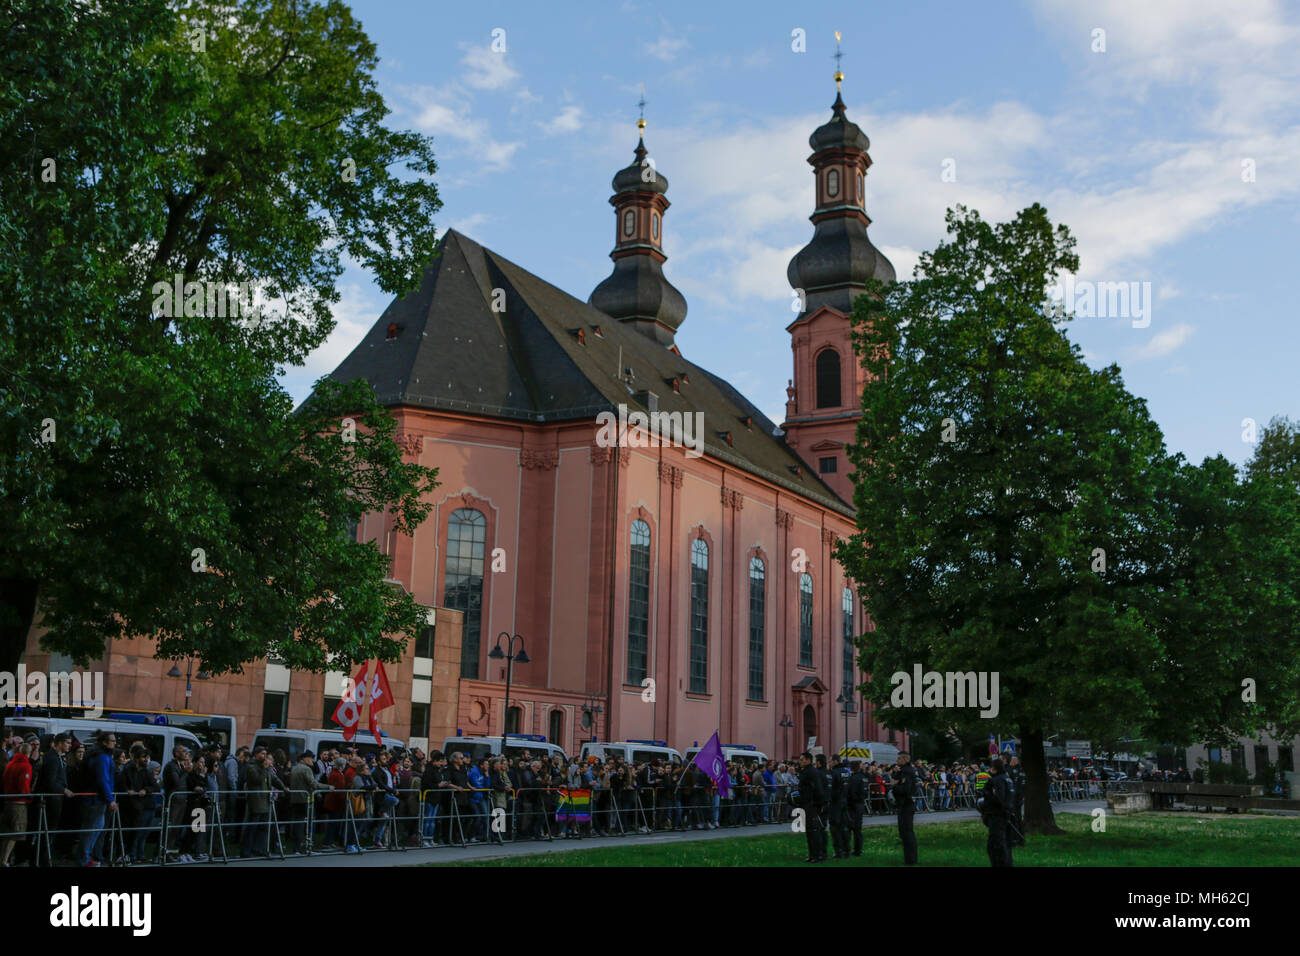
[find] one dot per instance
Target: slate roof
(452, 352)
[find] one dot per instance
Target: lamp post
(845, 700)
(592, 710)
(510, 655)
(189, 686)
(787, 723)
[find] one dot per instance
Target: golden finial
(839, 75)
(640, 123)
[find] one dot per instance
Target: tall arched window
(805, 621)
(629, 222)
(809, 721)
(556, 728)
(757, 610)
(638, 602)
(514, 719)
(699, 657)
(850, 682)
(833, 183)
(862, 191)
(654, 226)
(828, 379)
(463, 586)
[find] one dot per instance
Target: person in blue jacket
(479, 782)
(96, 805)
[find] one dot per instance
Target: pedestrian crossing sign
(1009, 747)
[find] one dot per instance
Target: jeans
(92, 825)
(142, 825)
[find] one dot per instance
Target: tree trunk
(17, 608)
(1038, 806)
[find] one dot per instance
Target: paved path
(483, 851)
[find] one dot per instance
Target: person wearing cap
(906, 789)
(303, 786)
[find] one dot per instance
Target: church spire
(832, 269)
(637, 291)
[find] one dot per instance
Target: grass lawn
(1148, 839)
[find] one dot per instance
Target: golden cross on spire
(839, 75)
(640, 123)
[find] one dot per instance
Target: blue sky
(1139, 149)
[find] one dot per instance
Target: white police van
(632, 751)
(869, 751)
(158, 737)
(476, 748)
(747, 754)
(294, 742)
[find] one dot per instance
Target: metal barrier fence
(217, 826)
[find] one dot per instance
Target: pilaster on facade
(670, 474)
(603, 455)
(732, 500)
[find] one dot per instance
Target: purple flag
(711, 761)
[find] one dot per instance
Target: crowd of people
(112, 801)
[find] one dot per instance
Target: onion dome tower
(636, 291)
(833, 267)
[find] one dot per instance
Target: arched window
(805, 621)
(638, 602)
(654, 226)
(833, 183)
(862, 191)
(514, 720)
(850, 682)
(809, 721)
(699, 656)
(556, 730)
(463, 585)
(757, 610)
(629, 222)
(828, 379)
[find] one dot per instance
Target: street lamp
(592, 710)
(510, 655)
(787, 723)
(845, 700)
(189, 686)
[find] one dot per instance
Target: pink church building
(660, 589)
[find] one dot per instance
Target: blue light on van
(740, 746)
(652, 743)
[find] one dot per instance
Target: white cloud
(485, 69)
(1166, 342)
(665, 48)
(569, 120)
(445, 112)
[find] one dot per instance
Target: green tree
(1019, 514)
(221, 143)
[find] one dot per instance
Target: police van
(869, 751)
(747, 754)
(632, 751)
(158, 737)
(294, 742)
(476, 748)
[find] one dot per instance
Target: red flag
(348, 712)
(381, 698)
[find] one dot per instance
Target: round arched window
(629, 222)
(833, 183)
(654, 226)
(862, 191)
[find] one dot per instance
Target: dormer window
(833, 183)
(393, 329)
(629, 222)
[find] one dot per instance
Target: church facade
(671, 580)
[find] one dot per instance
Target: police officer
(996, 807)
(1016, 831)
(825, 774)
(906, 790)
(856, 802)
(839, 777)
(812, 800)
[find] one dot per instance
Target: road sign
(993, 745)
(1078, 748)
(1009, 747)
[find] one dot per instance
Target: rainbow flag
(574, 805)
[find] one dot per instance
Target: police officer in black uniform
(839, 776)
(996, 807)
(906, 790)
(856, 802)
(812, 800)
(1016, 830)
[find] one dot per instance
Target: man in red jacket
(17, 788)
